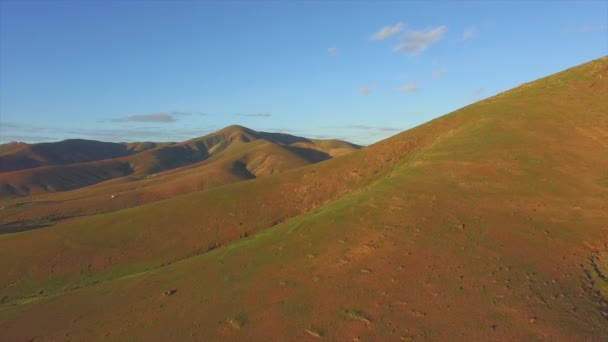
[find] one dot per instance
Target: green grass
(33, 289)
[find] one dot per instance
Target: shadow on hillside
(282, 138)
(10, 229)
(240, 169)
(309, 154)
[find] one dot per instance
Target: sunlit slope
(245, 157)
(72, 164)
(240, 162)
(87, 249)
(488, 223)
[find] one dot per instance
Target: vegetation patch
(237, 322)
(355, 315)
(314, 332)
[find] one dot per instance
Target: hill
(72, 164)
(488, 223)
(19, 156)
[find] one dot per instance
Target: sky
(360, 71)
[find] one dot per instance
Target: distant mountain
(27, 169)
(19, 156)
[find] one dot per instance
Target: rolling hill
(19, 156)
(489, 223)
(72, 164)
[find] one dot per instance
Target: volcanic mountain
(489, 223)
(240, 153)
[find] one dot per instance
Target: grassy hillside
(486, 224)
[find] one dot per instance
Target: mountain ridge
(90, 162)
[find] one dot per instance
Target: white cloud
(414, 42)
(256, 115)
(408, 88)
(470, 33)
(332, 51)
(365, 91)
(388, 31)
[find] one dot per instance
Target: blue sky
(171, 71)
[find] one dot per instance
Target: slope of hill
(73, 164)
(485, 224)
(19, 156)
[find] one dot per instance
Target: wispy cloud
(388, 31)
(374, 128)
(367, 134)
(438, 72)
(281, 130)
(25, 138)
(23, 133)
(8, 125)
(470, 33)
(156, 134)
(415, 42)
(256, 115)
(362, 134)
(187, 113)
(590, 28)
(157, 118)
(365, 90)
(408, 88)
(332, 51)
(36, 133)
(161, 117)
(325, 136)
